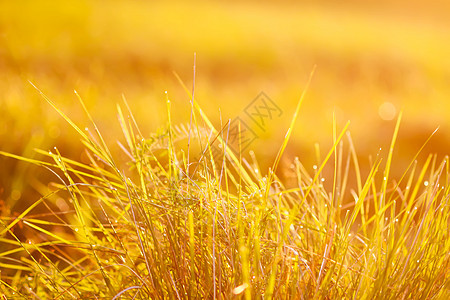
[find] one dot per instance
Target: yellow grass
(340, 213)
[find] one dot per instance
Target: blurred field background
(374, 58)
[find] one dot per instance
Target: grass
(184, 222)
(131, 47)
(170, 214)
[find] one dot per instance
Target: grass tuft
(169, 225)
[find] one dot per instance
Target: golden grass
(162, 213)
(164, 226)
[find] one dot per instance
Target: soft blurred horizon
(373, 59)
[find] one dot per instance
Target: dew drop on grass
(76, 229)
(315, 167)
(323, 179)
(425, 183)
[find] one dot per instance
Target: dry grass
(163, 211)
(165, 225)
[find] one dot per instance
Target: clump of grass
(171, 224)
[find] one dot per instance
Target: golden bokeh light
(396, 50)
(387, 111)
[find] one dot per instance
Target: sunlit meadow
(153, 150)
